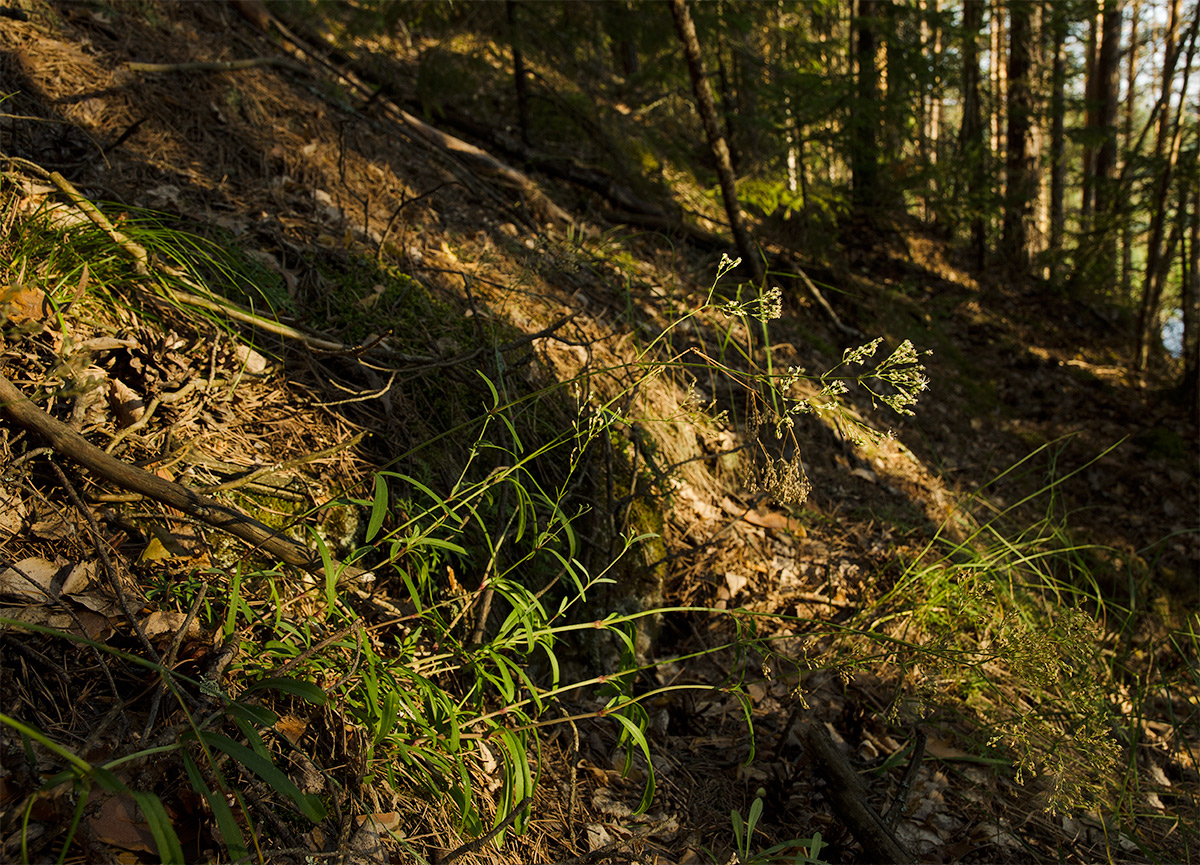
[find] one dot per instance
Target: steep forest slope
(382, 477)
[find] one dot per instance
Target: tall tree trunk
(1131, 69)
(970, 140)
(1107, 76)
(931, 97)
(998, 102)
(520, 84)
(1090, 105)
(864, 117)
(1058, 164)
(1166, 148)
(1190, 303)
(1019, 178)
(716, 141)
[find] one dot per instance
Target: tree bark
(1019, 178)
(864, 117)
(1058, 164)
(1131, 69)
(970, 140)
(520, 82)
(1190, 304)
(716, 141)
(1107, 76)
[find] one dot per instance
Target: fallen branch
(849, 798)
(71, 444)
(216, 66)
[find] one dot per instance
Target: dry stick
(66, 441)
(285, 465)
(217, 66)
(914, 767)
(848, 794)
(110, 571)
(169, 661)
(477, 845)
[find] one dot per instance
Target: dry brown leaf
(118, 823)
(16, 581)
(169, 622)
(125, 402)
(292, 728)
(12, 513)
(53, 528)
(24, 303)
(769, 520)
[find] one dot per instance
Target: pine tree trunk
(686, 29)
(864, 117)
(1131, 70)
(520, 84)
(1058, 164)
(970, 141)
(1019, 178)
(1190, 304)
(1107, 68)
(1090, 105)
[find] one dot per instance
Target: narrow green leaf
(297, 687)
(169, 849)
(310, 806)
(378, 508)
(227, 825)
(635, 733)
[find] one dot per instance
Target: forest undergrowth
(549, 543)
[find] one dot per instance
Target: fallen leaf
(53, 528)
(24, 303)
(292, 728)
(169, 622)
(119, 824)
(125, 402)
(769, 520)
(27, 576)
(12, 513)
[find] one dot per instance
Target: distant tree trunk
(1019, 178)
(1107, 76)
(931, 97)
(864, 117)
(1131, 69)
(622, 24)
(1190, 304)
(1090, 106)
(1166, 148)
(520, 83)
(716, 141)
(1058, 164)
(970, 139)
(997, 104)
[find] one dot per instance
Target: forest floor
(1033, 458)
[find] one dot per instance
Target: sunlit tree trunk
(970, 140)
(998, 101)
(716, 141)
